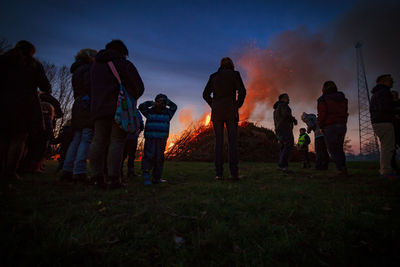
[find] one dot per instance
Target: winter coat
(312, 125)
(303, 141)
(157, 123)
(20, 109)
(283, 118)
(382, 105)
(81, 117)
(332, 109)
(224, 84)
(105, 87)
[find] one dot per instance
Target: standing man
(332, 119)
(103, 103)
(382, 118)
(284, 122)
(228, 94)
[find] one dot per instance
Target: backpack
(126, 113)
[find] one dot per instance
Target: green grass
(269, 218)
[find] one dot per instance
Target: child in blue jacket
(158, 116)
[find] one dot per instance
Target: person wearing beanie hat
(158, 116)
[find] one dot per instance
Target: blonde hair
(227, 62)
(86, 55)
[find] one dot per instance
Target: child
(156, 131)
(302, 144)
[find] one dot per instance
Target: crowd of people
(92, 134)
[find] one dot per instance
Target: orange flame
(171, 145)
(207, 120)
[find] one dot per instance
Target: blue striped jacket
(157, 124)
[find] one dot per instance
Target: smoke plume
(299, 61)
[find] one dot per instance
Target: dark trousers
(286, 141)
(130, 153)
(322, 156)
(232, 128)
(11, 150)
(306, 158)
(334, 139)
(108, 144)
(153, 156)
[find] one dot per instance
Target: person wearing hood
(103, 102)
(284, 122)
(382, 111)
(332, 120)
(20, 110)
(321, 153)
(75, 165)
(228, 94)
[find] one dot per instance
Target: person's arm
(241, 91)
(172, 108)
(133, 84)
(322, 110)
(145, 107)
(308, 140)
(43, 83)
(207, 92)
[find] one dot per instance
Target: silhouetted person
(321, 153)
(332, 119)
(302, 144)
(20, 112)
(228, 94)
(396, 99)
(382, 119)
(284, 122)
(158, 116)
(103, 102)
(75, 161)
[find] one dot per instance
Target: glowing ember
(207, 121)
(171, 145)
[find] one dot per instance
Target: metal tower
(368, 141)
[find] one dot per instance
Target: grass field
(267, 219)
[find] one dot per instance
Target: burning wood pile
(197, 142)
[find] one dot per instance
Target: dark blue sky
(175, 45)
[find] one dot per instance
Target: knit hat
(161, 96)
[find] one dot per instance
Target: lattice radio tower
(368, 142)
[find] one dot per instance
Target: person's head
(26, 48)
(118, 46)
(284, 98)
(385, 79)
(226, 62)
(160, 101)
(302, 130)
(86, 55)
(395, 95)
(304, 116)
(329, 87)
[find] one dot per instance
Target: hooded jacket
(105, 87)
(332, 109)
(81, 117)
(283, 118)
(224, 84)
(382, 105)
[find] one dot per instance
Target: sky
(176, 45)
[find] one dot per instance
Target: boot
(146, 178)
(80, 178)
